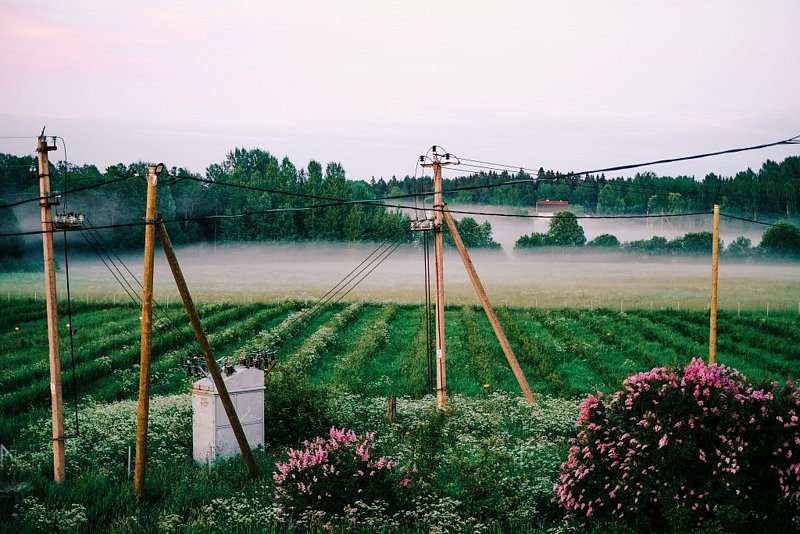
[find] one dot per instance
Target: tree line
(264, 198)
(779, 240)
(772, 191)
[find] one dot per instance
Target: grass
(359, 353)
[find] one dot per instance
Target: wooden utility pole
(487, 307)
(147, 330)
(438, 207)
(712, 336)
(42, 148)
(205, 347)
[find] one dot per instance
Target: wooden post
(712, 336)
(487, 307)
(391, 408)
(205, 347)
(51, 300)
(438, 206)
(147, 330)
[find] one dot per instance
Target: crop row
(382, 349)
(107, 369)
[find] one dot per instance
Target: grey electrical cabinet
(212, 435)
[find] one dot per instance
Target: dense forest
(773, 191)
(253, 196)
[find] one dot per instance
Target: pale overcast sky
(561, 84)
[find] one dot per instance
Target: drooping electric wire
(428, 315)
(338, 287)
(76, 190)
(71, 329)
(109, 252)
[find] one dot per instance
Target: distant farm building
(551, 206)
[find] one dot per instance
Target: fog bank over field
(506, 230)
(553, 278)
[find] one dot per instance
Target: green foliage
(536, 239)
(488, 462)
(610, 200)
(482, 462)
(349, 370)
(473, 235)
(32, 514)
(236, 513)
(604, 240)
(781, 239)
(296, 410)
(694, 243)
(655, 244)
(741, 247)
(106, 432)
(774, 189)
(564, 231)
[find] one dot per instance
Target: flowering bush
(329, 476)
(682, 448)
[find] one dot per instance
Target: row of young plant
(564, 352)
(166, 375)
(106, 362)
(119, 332)
(349, 370)
(537, 361)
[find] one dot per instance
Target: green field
(358, 353)
(379, 349)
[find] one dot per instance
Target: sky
(564, 85)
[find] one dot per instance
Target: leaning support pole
(712, 336)
(487, 307)
(147, 331)
(241, 439)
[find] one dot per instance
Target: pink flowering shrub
(686, 448)
(331, 475)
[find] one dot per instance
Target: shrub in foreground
(327, 477)
(689, 448)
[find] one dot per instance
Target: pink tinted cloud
(33, 43)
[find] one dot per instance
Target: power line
(108, 250)
(76, 190)
(323, 206)
(375, 266)
(349, 278)
(104, 227)
(747, 220)
(618, 184)
(790, 141)
(378, 202)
